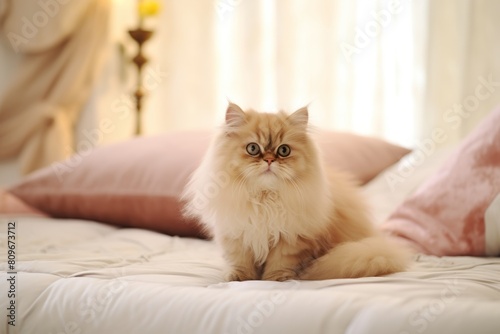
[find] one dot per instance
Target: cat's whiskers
(240, 179)
(291, 181)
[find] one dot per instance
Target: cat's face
(266, 149)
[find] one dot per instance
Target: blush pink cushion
(446, 215)
(363, 157)
(138, 183)
(11, 205)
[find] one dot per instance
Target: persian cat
(264, 195)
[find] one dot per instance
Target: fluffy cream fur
(280, 217)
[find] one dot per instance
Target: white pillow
(391, 187)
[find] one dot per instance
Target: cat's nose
(269, 160)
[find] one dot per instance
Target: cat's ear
(300, 117)
(235, 116)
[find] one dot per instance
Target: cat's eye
(284, 150)
(253, 149)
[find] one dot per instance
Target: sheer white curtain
(463, 65)
(391, 69)
(352, 60)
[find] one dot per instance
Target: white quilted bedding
(85, 277)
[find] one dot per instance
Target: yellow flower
(148, 8)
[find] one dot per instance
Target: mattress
(73, 276)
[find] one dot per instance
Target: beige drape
(59, 44)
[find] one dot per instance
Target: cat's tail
(372, 256)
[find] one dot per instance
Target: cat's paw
(280, 275)
(240, 275)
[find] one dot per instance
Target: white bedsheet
(85, 277)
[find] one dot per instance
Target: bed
(86, 277)
(72, 274)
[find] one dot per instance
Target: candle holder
(141, 36)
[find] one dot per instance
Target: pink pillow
(138, 183)
(457, 211)
(364, 157)
(11, 205)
